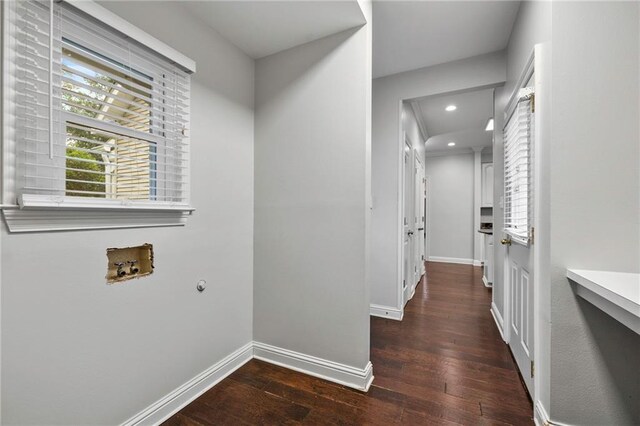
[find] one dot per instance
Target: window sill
(38, 214)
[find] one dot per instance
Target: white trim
(477, 262)
(78, 203)
(386, 312)
(44, 220)
(116, 22)
(486, 282)
(419, 115)
(457, 260)
(495, 313)
(477, 204)
(427, 212)
(328, 370)
(541, 418)
(170, 404)
(400, 210)
(177, 399)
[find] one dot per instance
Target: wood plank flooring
(444, 364)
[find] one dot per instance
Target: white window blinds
(517, 170)
(99, 120)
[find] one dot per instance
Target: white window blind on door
(517, 170)
(100, 120)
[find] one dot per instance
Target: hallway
(445, 363)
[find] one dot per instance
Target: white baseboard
(477, 263)
(328, 370)
(541, 418)
(458, 260)
(170, 404)
(386, 312)
(498, 319)
(485, 282)
(167, 406)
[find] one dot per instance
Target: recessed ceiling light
(451, 144)
(451, 108)
(489, 126)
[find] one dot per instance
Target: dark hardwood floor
(445, 363)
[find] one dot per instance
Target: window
(517, 169)
(96, 119)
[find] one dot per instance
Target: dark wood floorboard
(444, 364)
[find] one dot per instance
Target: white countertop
(616, 293)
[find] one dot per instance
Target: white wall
(77, 351)
(451, 213)
(388, 93)
(594, 206)
(311, 293)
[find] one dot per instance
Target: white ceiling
(262, 28)
(413, 34)
(464, 126)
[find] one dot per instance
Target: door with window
(518, 229)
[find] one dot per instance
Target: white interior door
(407, 217)
(426, 217)
(519, 268)
(519, 258)
(418, 220)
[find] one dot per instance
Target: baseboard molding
(541, 418)
(328, 370)
(498, 319)
(386, 312)
(486, 283)
(170, 404)
(457, 260)
(165, 407)
(477, 263)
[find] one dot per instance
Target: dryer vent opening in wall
(129, 262)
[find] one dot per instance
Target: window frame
(36, 212)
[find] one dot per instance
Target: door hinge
(533, 366)
(533, 102)
(532, 233)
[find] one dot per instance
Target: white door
(407, 224)
(519, 268)
(418, 220)
(519, 260)
(426, 218)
